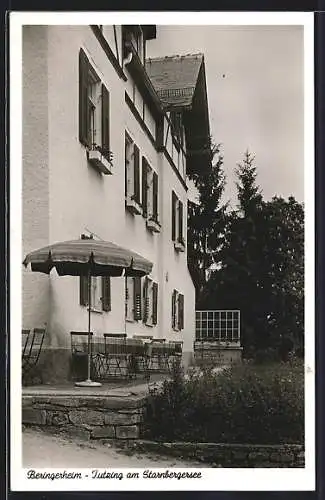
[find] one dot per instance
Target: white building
(88, 91)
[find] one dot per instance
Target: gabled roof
(174, 78)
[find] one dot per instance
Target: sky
(259, 102)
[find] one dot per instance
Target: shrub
(258, 404)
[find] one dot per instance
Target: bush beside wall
(252, 404)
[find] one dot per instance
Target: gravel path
(44, 450)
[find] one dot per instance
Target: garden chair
(32, 342)
(112, 359)
(175, 353)
(79, 353)
(158, 352)
(138, 360)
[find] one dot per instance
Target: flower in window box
(104, 151)
(154, 218)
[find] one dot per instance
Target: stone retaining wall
(216, 353)
(229, 455)
(86, 417)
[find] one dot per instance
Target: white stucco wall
(175, 270)
(35, 304)
(77, 199)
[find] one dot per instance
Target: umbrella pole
(125, 301)
(89, 322)
(89, 382)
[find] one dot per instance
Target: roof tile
(174, 77)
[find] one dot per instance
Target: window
(93, 109)
(150, 302)
(177, 127)
(133, 299)
(177, 220)
(136, 38)
(177, 311)
(132, 175)
(149, 191)
(141, 300)
(100, 292)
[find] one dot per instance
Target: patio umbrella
(87, 257)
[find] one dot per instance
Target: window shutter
(144, 187)
(105, 118)
(137, 298)
(106, 293)
(174, 200)
(160, 133)
(180, 311)
(180, 221)
(83, 98)
(174, 309)
(126, 297)
(83, 290)
(154, 303)
(155, 196)
(136, 173)
(145, 301)
(127, 147)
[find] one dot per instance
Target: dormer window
(177, 126)
(133, 34)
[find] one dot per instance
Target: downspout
(116, 44)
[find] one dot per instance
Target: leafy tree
(258, 252)
(284, 260)
(206, 219)
(262, 267)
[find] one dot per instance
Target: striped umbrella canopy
(87, 256)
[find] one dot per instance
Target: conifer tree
(206, 219)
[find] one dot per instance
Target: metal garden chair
(32, 342)
(79, 352)
(138, 360)
(112, 357)
(158, 352)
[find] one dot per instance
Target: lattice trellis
(218, 325)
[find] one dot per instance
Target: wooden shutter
(174, 295)
(83, 290)
(154, 303)
(126, 281)
(137, 298)
(83, 98)
(106, 293)
(144, 187)
(180, 311)
(105, 118)
(160, 133)
(127, 148)
(174, 200)
(145, 300)
(180, 221)
(136, 173)
(155, 196)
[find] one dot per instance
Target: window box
(133, 206)
(100, 159)
(153, 225)
(179, 245)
